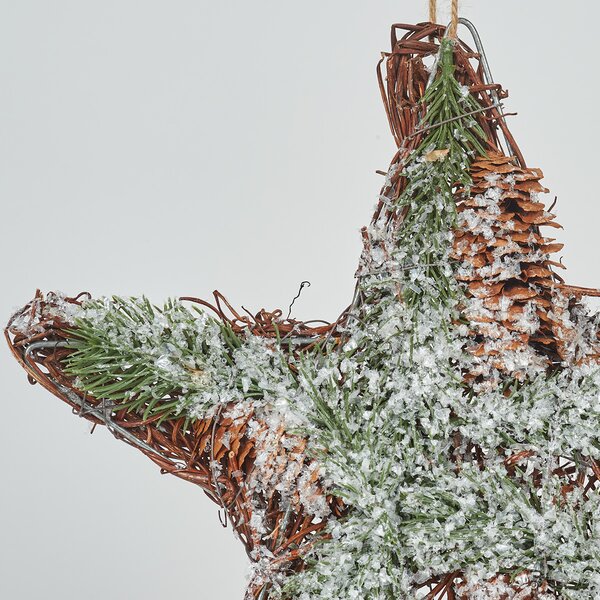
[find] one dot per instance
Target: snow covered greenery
(152, 360)
(439, 476)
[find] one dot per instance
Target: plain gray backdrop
(173, 148)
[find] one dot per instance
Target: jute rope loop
(453, 20)
(453, 16)
(432, 11)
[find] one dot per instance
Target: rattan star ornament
(441, 439)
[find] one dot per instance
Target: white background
(173, 148)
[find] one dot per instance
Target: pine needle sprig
(147, 359)
(434, 171)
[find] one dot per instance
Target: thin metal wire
(440, 123)
(487, 73)
(86, 408)
(43, 345)
(302, 286)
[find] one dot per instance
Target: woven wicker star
(439, 439)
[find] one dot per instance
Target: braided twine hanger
(453, 16)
